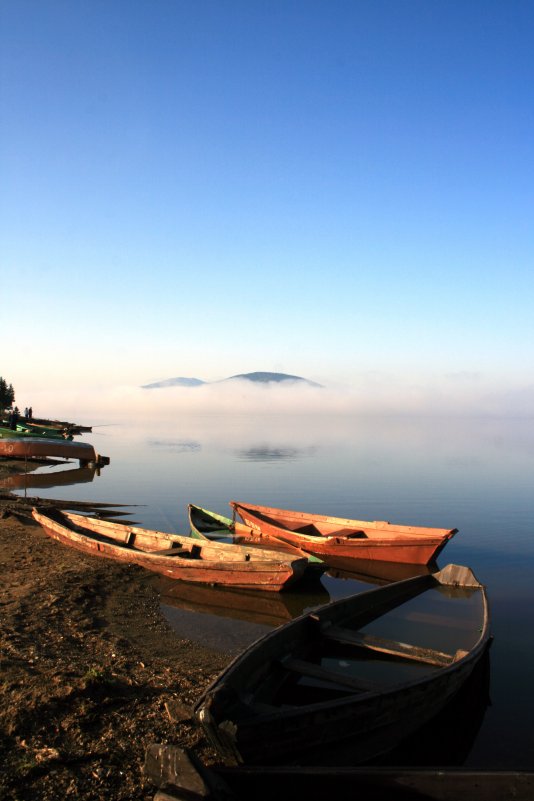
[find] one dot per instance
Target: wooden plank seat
(414, 653)
(315, 671)
(173, 552)
(309, 529)
(349, 532)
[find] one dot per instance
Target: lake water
(475, 475)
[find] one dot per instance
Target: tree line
(7, 394)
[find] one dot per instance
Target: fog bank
(376, 395)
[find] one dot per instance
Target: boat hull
(339, 538)
(42, 447)
(207, 564)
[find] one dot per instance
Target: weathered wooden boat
(62, 425)
(31, 429)
(334, 537)
(210, 525)
(22, 430)
(179, 774)
(173, 555)
(41, 447)
(372, 669)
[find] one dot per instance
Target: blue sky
(340, 190)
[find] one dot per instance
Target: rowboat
(59, 425)
(42, 447)
(210, 525)
(23, 430)
(31, 429)
(340, 538)
(173, 555)
(372, 668)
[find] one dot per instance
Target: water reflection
(175, 446)
(264, 453)
(374, 572)
(59, 478)
(263, 608)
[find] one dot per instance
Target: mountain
(258, 378)
(265, 378)
(175, 382)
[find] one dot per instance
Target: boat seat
(308, 529)
(414, 653)
(172, 552)
(314, 671)
(349, 532)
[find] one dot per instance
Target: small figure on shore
(26, 413)
(30, 413)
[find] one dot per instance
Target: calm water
(475, 475)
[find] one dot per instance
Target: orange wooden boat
(343, 538)
(174, 555)
(43, 447)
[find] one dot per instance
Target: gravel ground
(90, 673)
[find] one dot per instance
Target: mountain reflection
(263, 453)
(176, 445)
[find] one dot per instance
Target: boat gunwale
(420, 532)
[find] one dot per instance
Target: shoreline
(91, 673)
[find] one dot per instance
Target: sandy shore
(90, 673)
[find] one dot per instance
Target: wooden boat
(61, 425)
(340, 538)
(179, 774)
(23, 430)
(31, 429)
(40, 447)
(210, 525)
(372, 668)
(173, 555)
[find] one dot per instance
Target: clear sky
(336, 189)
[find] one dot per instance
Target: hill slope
(175, 382)
(256, 377)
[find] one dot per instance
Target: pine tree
(7, 394)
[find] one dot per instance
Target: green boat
(212, 526)
(22, 430)
(33, 429)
